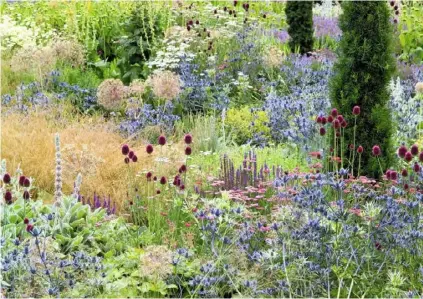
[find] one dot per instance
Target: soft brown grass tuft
(88, 146)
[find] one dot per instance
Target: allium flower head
(421, 157)
(22, 180)
(408, 157)
(26, 183)
(163, 180)
(156, 262)
(188, 139)
(26, 195)
(188, 151)
(356, 110)
(324, 120)
(340, 118)
(419, 87)
(131, 154)
(322, 131)
(360, 149)
(6, 178)
(414, 150)
(137, 87)
(404, 172)
(29, 228)
(149, 149)
(162, 140)
(334, 112)
(344, 124)
(388, 174)
(134, 158)
(319, 119)
(111, 93)
(125, 149)
(416, 167)
(376, 150)
(394, 175)
(8, 196)
(336, 124)
(149, 175)
(165, 85)
(26, 221)
(126, 160)
(183, 168)
(330, 119)
(402, 150)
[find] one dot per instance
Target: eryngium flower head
(111, 93)
(165, 85)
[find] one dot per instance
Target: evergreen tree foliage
(362, 74)
(299, 15)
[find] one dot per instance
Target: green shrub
(363, 72)
(299, 15)
(243, 124)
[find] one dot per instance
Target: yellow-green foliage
(239, 122)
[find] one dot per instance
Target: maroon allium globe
(356, 110)
(344, 124)
(322, 131)
(394, 175)
(8, 196)
(388, 174)
(162, 140)
(330, 119)
(188, 139)
(163, 180)
(334, 112)
(404, 172)
(421, 157)
(376, 150)
(26, 183)
(324, 120)
(416, 167)
(149, 149)
(29, 228)
(402, 150)
(319, 119)
(154, 178)
(183, 168)
(6, 178)
(188, 151)
(340, 118)
(408, 157)
(338, 134)
(26, 195)
(26, 221)
(414, 150)
(149, 175)
(131, 154)
(22, 180)
(360, 149)
(336, 124)
(126, 160)
(158, 192)
(134, 158)
(125, 149)
(182, 187)
(406, 186)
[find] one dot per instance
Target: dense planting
(211, 149)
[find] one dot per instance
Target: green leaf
(14, 218)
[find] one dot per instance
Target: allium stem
(353, 159)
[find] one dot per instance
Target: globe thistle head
(408, 157)
(165, 84)
(27, 182)
(322, 131)
(334, 112)
(161, 140)
(134, 158)
(125, 149)
(22, 180)
(188, 139)
(6, 178)
(414, 150)
(163, 180)
(149, 149)
(26, 195)
(188, 151)
(111, 93)
(376, 150)
(402, 150)
(356, 110)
